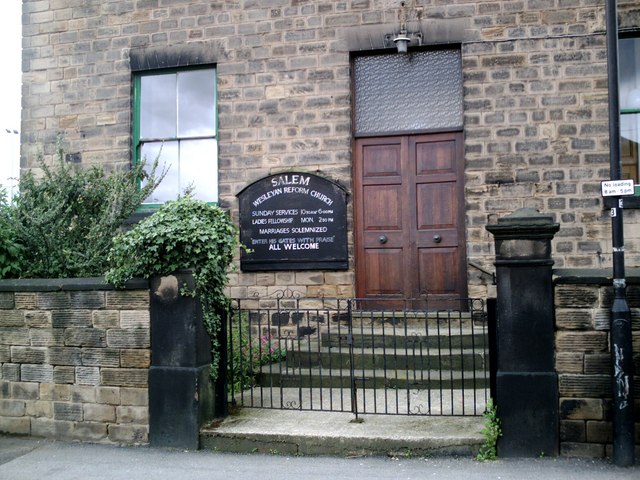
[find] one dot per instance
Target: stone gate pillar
(526, 380)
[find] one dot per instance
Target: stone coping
(67, 284)
(598, 276)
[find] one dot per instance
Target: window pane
(198, 167)
(169, 161)
(630, 133)
(196, 103)
(416, 91)
(158, 106)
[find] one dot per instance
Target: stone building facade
(532, 121)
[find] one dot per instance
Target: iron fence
(350, 355)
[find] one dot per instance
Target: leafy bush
(64, 220)
(10, 250)
(185, 233)
(248, 354)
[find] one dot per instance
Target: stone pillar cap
(525, 223)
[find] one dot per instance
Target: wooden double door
(409, 218)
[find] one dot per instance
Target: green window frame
(175, 119)
(629, 61)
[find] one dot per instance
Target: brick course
(583, 363)
(72, 369)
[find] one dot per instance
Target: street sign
(616, 188)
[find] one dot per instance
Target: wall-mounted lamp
(404, 38)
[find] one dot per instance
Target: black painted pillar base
(528, 411)
(180, 388)
(526, 380)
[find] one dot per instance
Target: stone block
(599, 432)
(597, 363)
(64, 374)
(83, 394)
(134, 319)
(572, 431)
(89, 432)
(46, 337)
(130, 434)
(65, 356)
(36, 373)
(11, 318)
(582, 450)
(11, 372)
(14, 336)
(25, 390)
(88, 375)
(581, 409)
(99, 412)
(25, 301)
(67, 411)
(569, 362)
(38, 318)
(39, 409)
(127, 299)
(124, 377)
(12, 408)
(135, 358)
(5, 353)
(108, 395)
(55, 393)
(573, 319)
(134, 396)
(132, 414)
(52, 300)
(87, 299)
(71, 318)
(50, 428)
(16, 425)
(576, 296)
(582, 342)
(7, 301)
(85, 337)
(106, 319)
(587, 386)
(130, 338)
(101, 357)
(28, 354)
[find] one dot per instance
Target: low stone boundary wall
(583, 359)
(74, 360)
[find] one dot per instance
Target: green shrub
(491, 431)
(65, 220)
(10, 249)
(185, 233)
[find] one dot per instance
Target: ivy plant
(10, 250)
(182, 234)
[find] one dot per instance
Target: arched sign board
(293, 221)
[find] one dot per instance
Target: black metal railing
(342, 355)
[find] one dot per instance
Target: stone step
(290, 432)
(278, 375)
(387, 359)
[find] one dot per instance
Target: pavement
(34, 459)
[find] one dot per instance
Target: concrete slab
(331, 433)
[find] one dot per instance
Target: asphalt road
(29, 459)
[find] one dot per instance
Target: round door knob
(437, 238)
(382, 239)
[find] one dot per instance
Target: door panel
(408, 203)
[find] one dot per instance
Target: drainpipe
(620, 338)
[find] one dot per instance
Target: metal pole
(620, 338)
